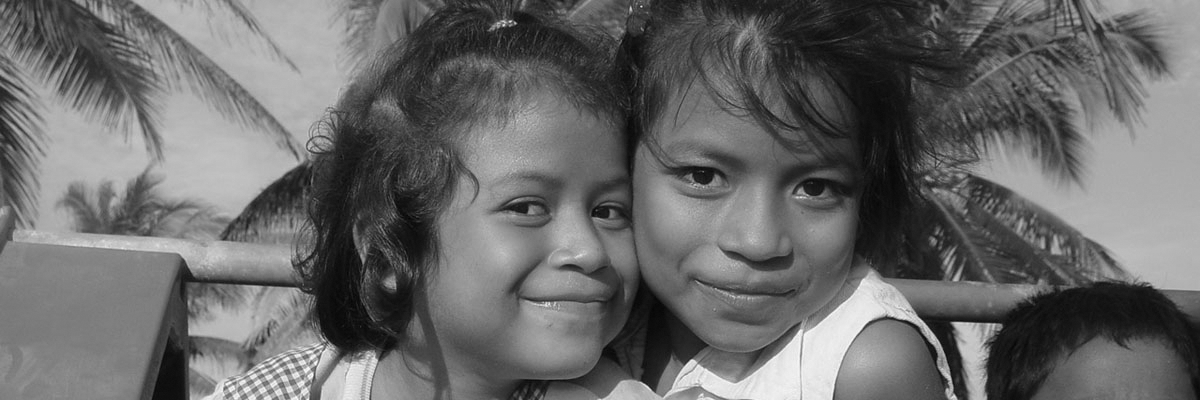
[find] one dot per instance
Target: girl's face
(739, 236)
(537, 270)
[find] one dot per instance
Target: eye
(613, 215)
(701, 176)
(529, 208)
(813, 188)
(821, 192)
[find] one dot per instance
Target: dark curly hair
(387, 158)
(1047, 327)
(751, 53)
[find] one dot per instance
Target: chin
(564, 358)
(738, 338)
(560, 364)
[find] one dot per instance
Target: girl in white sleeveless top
(775, 157)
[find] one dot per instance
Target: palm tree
(1033, 76)
(110, 60)
(142, 210)
(281, 318)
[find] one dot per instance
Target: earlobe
(388, 283)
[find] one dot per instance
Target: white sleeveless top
(804, 363)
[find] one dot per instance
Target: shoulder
(889, 359)
(605, 381)
(287, 375)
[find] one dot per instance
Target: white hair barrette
(504, 23)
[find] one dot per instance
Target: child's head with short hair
(775, 142)
(1107, 340)
(471, 197)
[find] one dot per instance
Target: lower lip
(591, 308)
(742, 300)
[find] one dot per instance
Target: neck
(669, 345)
(401, 376)
(667, 332)
(684, 343)
(420, 369)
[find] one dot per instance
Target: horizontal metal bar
(963, 301)
(207, 261)
(270, 265)
(990, 302)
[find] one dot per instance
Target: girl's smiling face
(536, 271)
(740, 236)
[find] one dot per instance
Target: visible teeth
(740, 291)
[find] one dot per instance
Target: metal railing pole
(207, 261)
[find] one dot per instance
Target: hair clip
(504, 23)
(639, 13)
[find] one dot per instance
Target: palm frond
(218, 349)
(1085, 259)
(106, 196)
(953, 241)
(1035, 71)
(986, 232)
(374, 24)
(91, 64)
(279, 206)
(136, 212)
(1130, 48)
(22, 142)
(996, 116)
(84, 213)
(203, 297)
(607, 14)
(183, 66)
(282, 319)
(200, 384)
(358, 20)
(245, 19)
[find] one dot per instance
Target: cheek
(483, 266)
(665, 223)
(624, 260)
(827, 239)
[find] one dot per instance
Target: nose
(754, 228)
(578, 246)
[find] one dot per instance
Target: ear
(363, 249)
(389, 281)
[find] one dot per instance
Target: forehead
(1100, 369)
(821, 127)
(544, 135)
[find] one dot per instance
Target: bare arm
(889, 360)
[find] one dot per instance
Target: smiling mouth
(745, 297)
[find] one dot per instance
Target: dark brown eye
(702, 176)
(813, 188)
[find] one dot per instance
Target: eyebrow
(606, 185)
(687, 149)
(809, 160)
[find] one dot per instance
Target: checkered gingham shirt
(287, 376)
